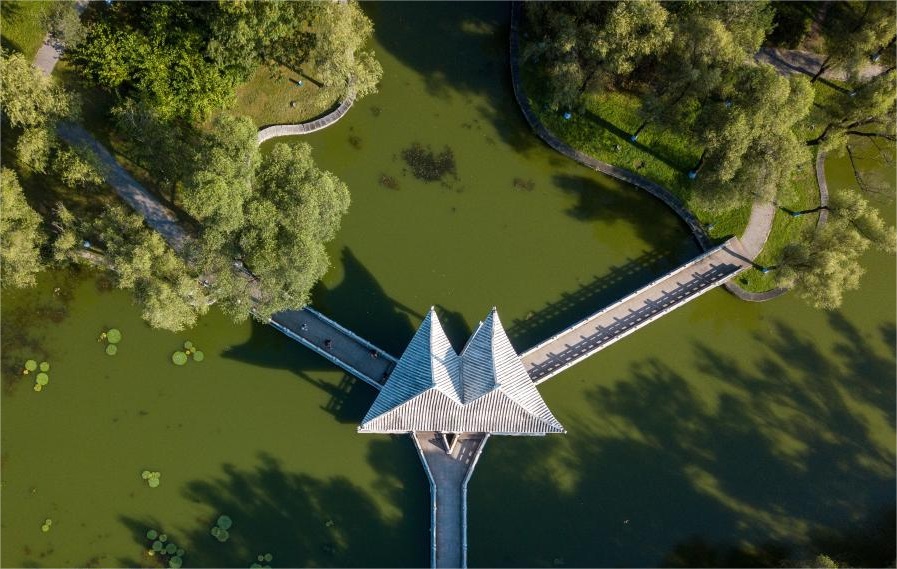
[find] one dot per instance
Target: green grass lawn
(21, 26)
(602, 129)
(269, 95)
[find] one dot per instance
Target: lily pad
(261, 557)
(163, 538)
(42, 379)
(157, 545)
(153, 482)
(111, 349)
(198, 356)
(113, 336)
(38, 387)
(171, 548)
(188, 345)
(179, 358)
(31, 365)
(45, 366)
(224, 522)
(180, 552)
(146, 475)
(215, 531)
(223, 535)
(269, 557)
(175, 562)
(152, 534)
(45, 528)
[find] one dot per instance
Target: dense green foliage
(20, 235)
(274, 213)
(689, 67)
(183, 59)
(168, 293)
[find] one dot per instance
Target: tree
(157, 145)
(168, 293)
(63, 23)
(29, 98)
(853, 32)
(20, 235)
(78, 167)
(751, 148)
(297, 209)
(867, 112)
(823, 268)
(583, 44)
(34, 147)
(216, 190)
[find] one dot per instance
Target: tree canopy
(183, 59)
(20, 235)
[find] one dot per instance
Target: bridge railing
(349, 333)
(432, 481)
(639, 291)
(473, 464)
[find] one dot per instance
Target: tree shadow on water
(476, 35)
(302, 520)
(630, 205)
(755, 463)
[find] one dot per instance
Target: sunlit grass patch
(273, 96)
(22, 29)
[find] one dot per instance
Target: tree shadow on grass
(753, 463)
(624, 138)
(302, 520)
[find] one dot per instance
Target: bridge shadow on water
(751, 461)
(304, 520)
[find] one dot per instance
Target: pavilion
(450, 404)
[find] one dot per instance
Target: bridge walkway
(636, 310)
(335, 343)
(449, 474)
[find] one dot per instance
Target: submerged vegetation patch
(388, 181)
(521, 184)
(428, 165)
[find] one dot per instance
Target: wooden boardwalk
(634, 311)
(309, 127)
(448, 475)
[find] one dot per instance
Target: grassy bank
(273, 96)
(21, 25)
(603, 128)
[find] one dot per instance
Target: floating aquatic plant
(38, 387)
(221, 535)
(179, 358)
(157, 546)
(44, 366)
(42, 379)
(163, 538)
(188, 345)
(171, 548)
(30, 365)
(46, 526)
(111, 349)
(198, 356)
(151, 534)
(224, 522)
(175, 562)
(428, 165)
(113, 336)
(180, 552)
(152, 480)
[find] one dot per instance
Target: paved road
(789, 61)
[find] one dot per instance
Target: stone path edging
(622, 174)
(762, 214)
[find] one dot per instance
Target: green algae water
(725, 433)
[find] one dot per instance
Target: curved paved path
(762, 213)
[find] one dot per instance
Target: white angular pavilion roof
(485, 389)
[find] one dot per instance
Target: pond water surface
(724, 432)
